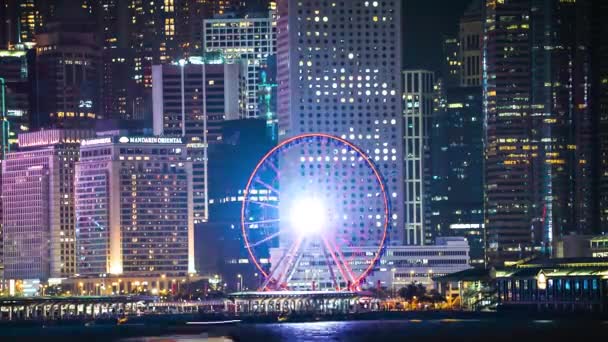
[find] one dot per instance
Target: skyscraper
(248, 41)
(418, 105)
(38, 205)
(471, 42)
(68, 72)
(456, 193)
(190, 100)
(134, 209)
(452, 63)
(339, 67)
(14, 70)
(599, 105)
(538, 125)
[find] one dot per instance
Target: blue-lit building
(457, 164)
(219, 246)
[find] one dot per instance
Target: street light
(240, 277)
(393, 270)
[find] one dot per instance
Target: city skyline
(481, 129)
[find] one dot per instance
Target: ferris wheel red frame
(384, 198)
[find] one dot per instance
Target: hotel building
(134, 212)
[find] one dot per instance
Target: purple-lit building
(339, 72)
(38, 205)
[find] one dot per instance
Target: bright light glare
(308, 216)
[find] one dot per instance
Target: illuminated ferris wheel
(315, 215)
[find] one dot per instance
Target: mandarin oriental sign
(150, 140)
(131, 140)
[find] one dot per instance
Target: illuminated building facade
(190, 101)
(400, 265)
(219, 242)
(248, 41)
(599, 105)
(38, 205)
(452, 63)
(14, 69)
(539, 150)
(67, 73)
(21, 19)
(471, 43)
(456, 193)
(339, 72)
(418, 107)
(134, 207)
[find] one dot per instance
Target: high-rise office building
(339, 67)
(538, 125)
(599, 105)
(471, 43)
(14, 70)
(456, 193)
(452, 63)
(248, 41)
(219, 242)
(134, 209)
(38, 205)
(190, 100)
(418, 105)
(21, 19)
(67, 72)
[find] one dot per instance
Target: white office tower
(418, 96)
(339, 73)
(248, 42)
(190, 100)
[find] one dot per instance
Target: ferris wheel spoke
(268, 238)
(267, 186)
(265, 204)
(262, 221)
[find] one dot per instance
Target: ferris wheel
(315, 215)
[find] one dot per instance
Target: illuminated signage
(14, 112)
(96, 141)
(541, 281)
(150, 140)
(132, 140)
(466, 226)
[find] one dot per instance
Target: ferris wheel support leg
(291, 265)
(331, 270)
(286, 256)
(293, 269)
(335, 258)
(345, 264)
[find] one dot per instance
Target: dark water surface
(517, 330)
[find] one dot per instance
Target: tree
(412, 290)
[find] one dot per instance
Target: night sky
(426, 22)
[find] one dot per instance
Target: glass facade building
(249, 42)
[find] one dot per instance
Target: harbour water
(489, 330)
